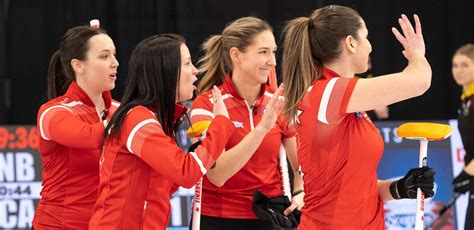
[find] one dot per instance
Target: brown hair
(74, 45)
(310, 42)
(216, 60)
(467, 49)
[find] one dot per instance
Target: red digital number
(3, 138)
(33, 138)
(22, 141)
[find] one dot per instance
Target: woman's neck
(249, 90)
(343, 69)
(96, 97)
(468, 87)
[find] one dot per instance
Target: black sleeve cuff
(394, 190)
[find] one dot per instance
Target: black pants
(469, 224)
(216, 223)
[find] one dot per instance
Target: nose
(115, 62)
(195, 70)
(272, 60)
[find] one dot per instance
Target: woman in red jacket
(339, 146)
(80, 76)
(240, 61)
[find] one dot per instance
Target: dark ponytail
(57, 80)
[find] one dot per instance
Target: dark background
(30, 31)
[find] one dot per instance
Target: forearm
(291, 153)
(297, 181)
(232, 160)
(384, 190)
(418, 72)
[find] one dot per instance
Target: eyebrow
(107, 50)
(267, 48)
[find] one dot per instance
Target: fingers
(409, 37)
(430, 172)
(399, 36)
(428, 192)
(219, 106)
(417, 24)
(216, 94)
(407, 27)
(424, 185)
(275, 96)
(290, 209)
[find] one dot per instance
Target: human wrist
(394, 190)
(260, 129)
(469, 171)
(297, 192)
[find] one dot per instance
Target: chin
(263, 79)
(110, 87)
(186, 97)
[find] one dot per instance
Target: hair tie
(95, 23)
(310, 24)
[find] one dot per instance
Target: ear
(77, 66)
(234, 54)
(350, 43)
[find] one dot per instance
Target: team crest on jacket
(238, 124)
(363, 115)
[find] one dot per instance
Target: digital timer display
(19, 138)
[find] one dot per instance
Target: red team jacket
(143, 153)
(70, 135)
(234, 198)
(158, 207)
(339, 153)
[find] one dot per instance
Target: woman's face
(187, 76)
(463, 70)
(258, 59)
(364, 48)
(99, 70)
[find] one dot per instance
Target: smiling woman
(240, 61)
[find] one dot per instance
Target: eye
(104, 56)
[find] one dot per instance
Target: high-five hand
(219, 106)
(273, 110)
(412, 39)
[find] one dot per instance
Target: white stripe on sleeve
(322, 113)
(204, 112)
(135, 130)
(43, 135)
(201, 166)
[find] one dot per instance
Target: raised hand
(272, 110)
(219, 106)
(411, 39)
